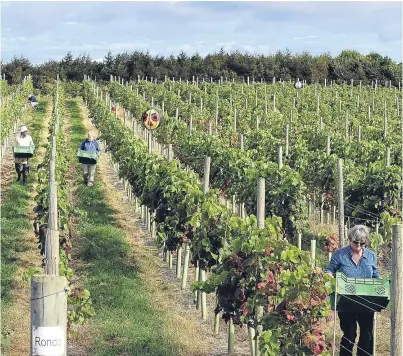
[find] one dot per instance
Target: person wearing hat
(89, 144)
(22, 164)
(34, 102)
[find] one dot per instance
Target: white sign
(48, 341)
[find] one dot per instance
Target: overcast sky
(48, 30)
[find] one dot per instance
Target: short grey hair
(359, 233)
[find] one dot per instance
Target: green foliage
(13, 111)
(250, 266)
(260, 269)
(79, 301)
(232, 171)
(31, 271)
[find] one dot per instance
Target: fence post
(396, 336)
(52, 234)
(49, 292)
(260, 214)
(202, 269)
(49, 315)
(280, 157)
(340, 196)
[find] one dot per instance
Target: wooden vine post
(280, 157)
(52, 233)
(261, 187)
(396, 326)
(49, 291)
(340, 196)
(187, 250)
(202, 268)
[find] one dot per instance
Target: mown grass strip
(15, 223)
(125, 323)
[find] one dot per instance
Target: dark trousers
(22, 169)
(348, 324)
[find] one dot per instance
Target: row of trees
(349, 64)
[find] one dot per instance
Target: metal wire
(378, 305)
(353, 217)
(65, 289)
(364, 211)
(345, 296)
(357, 347)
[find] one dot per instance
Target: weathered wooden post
(328, 145)
(241, 141)
(49, 292)
(313, 253)
(52, 233)
(396, 326)
(260, 214)
(340, 196)
(280, 157)
(202, 268)
(387, 157)
(49, 315)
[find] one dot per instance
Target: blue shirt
(342, 261)
(32, 99)
(91, 146)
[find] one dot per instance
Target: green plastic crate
(23, 151)
(360, 294)
(87, 157)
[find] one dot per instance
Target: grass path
(138, 311)
(19, 244)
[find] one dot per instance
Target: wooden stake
(260, 215)
(313, 253)
(178, 262)
(231, 336)
(185, 266)
(396, 326)
(48, 315)
(280, 157)
(340, 201)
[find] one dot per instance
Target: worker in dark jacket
(90, 144)
(33, 101)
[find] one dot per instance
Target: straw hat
(24, 128)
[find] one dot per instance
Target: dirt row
(19, 317)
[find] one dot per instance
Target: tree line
(349, 64)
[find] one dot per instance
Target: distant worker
(22, 163)
(356, 261)
(34, 102)
(90, 144)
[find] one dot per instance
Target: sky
(47, 30)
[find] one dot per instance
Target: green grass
(125, 321)
(15, 223)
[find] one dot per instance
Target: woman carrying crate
(22, 160)
(356, 261)
(90, 144)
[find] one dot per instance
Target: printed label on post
(48, 341)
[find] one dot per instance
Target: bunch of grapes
(315, 339)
